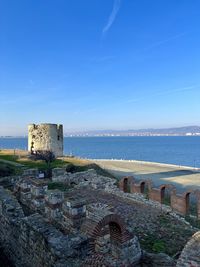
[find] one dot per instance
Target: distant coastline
(111, 135)
(177, 131)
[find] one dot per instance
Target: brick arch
(180, 202)
(142, 185)
(186, 197)
(126, 183)
(113, 220)
(139, 187)
(163, 188)
(117, 229)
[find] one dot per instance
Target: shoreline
(150, 163)
(182, 177)
(142, 162)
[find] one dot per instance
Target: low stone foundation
(71, 229)
(31, 241)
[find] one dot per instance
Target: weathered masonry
(46, 136)
(180, 203)
(84, 226)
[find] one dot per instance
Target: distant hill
(187, 130)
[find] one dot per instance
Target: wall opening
(144, 189)
(110, 236)
(127, 185)
(32, 147)
(165, 195)
(191, 204)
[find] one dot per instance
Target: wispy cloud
(165, 92)
(162, 42)
(112, 17)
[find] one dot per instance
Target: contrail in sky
(159, 43)
(167, 92)
(112, 17)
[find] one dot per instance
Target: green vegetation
(59, 186)
(30, 163)
(78, 168)
(193, 221)
(166, 234)
(146, 192)
(9, 157)
(71, 164)
(7, 169)
(153, 244)
(166, 200)
(159, 246)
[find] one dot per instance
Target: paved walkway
(182, 177)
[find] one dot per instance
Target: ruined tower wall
(46, 137)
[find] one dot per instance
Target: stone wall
(46, 137)
(190, 256)
(179, 202)
(31, 241)
(34, 241)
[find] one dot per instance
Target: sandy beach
(180, 176)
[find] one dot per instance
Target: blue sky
(99, 64)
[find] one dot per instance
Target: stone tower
(46, 136)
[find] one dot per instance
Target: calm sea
(180, 150)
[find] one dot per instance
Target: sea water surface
(179, 150)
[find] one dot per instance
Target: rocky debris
(157, 260)
(85, 178)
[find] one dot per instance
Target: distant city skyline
(99, 64)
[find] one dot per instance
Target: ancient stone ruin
(180, 203)
(90, 224)
(46, 137)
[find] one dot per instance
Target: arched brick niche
(160, 194)
(165, 193)
(190, 256)
(140, 187)
(121, 241)
(117, 230)
(125, 184)
(182, 203)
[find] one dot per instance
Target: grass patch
(8, 170)
(79, 168)
(59, 186)
(193, 221)
(152, 244)
(159, 246)
(164, 220)
(166, 234)
(9, 157)
(71, 164)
